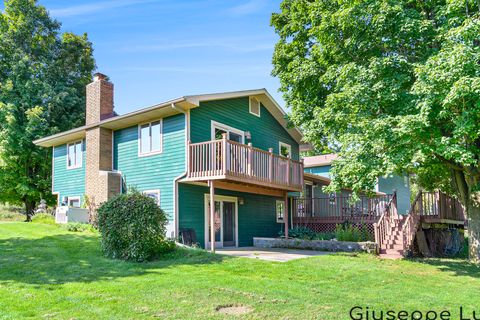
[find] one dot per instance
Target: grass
(47, 272)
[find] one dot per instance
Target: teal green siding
(266, 131)
(321, 171)
(67, 182)
(256, 217)
(155, 171)
(401, 185)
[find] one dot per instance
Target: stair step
(391, 251)
(394, 246)
(391, 256)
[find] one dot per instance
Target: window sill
(141, 155)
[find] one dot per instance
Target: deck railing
(339, 208)
(438, 205)
(232, 160)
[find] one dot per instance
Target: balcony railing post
(250, 160)
(224, 153)
(270, 165)
(288, 171)
(189, 162)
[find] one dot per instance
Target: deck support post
(212, 216)
(285, 215)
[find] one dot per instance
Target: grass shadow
(65, 258)
(457, 266)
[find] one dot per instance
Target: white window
(74, 155)
(254, 107)
(279, 208)
(74, 202)
(150, 138)
(154, 194)
(285, 150)
(232, 134)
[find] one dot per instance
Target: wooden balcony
(235, 162)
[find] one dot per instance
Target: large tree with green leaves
(43, 75)
(393, 86)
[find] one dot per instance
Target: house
(232, 149)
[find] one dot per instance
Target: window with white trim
(150, 138)
(254, 107)
(74, 155)
(285, 149)
(232, 133)
(280, 211)
(154, 194)
(74, 202)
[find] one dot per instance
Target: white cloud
(248, 7)
(93, 7)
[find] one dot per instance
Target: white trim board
(219, 244)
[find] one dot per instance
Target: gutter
(175, 180)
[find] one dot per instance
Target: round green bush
(132, 227)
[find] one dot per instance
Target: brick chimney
(99, 99)
(101, 182)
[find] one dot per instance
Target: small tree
(132, 227)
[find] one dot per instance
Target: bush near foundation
(132, 227)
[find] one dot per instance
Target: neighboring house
(233, 148)
(322, 164)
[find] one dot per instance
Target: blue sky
(155, 50)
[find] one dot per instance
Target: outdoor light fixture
(248, 135)
(241, 201)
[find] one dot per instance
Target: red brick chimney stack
(99, 99)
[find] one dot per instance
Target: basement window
(150, 138)
(254, 107)
(74, 155)
(154, 194)
(74, 202)
(279, 207)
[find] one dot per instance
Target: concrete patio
(270, 254)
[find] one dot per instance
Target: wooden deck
(239, 163)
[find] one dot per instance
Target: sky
(156, 50)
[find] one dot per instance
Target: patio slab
(270, 254)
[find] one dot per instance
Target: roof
(319, 161)
(316, 178)
(172, 107)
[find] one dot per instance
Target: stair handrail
(411, 223)
(385, 222)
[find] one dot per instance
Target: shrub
(305, 233)
(45, 218)
(78, 227)
(353, 233)
(132, 227)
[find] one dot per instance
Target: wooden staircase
(395, 233)
(393, 246)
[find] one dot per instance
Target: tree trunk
(29, 209)
(473, 214)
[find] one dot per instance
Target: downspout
(175, 180)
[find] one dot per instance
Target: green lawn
(49, 273)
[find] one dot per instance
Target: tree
(43, 75)
(393, 86)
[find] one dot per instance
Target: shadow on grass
(68, 258)
(460, 267)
